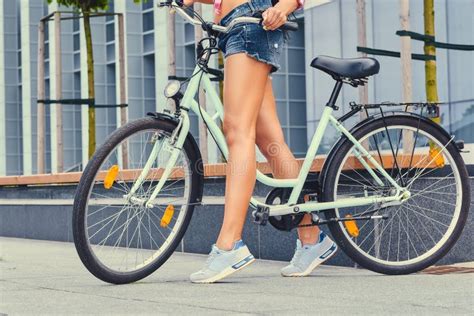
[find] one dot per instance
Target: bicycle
(380, 188)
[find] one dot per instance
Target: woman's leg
(244, 86)
(271, 142)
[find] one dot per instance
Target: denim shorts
(252, 39)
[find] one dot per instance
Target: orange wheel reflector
(166, 219)
(436, 156)
(111, 176)
(351, 227)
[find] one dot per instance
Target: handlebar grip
(168, 3)
(289, 26)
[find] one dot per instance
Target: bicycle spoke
(363, 184)
(389, 241)
(436, 200)
(125, 236)
(434, 191)
(428, 187)
(430, 218)
(378, 224)
(416, 227)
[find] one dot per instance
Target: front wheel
(118, 238)
(416, 233)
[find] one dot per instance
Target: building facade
(301, 91)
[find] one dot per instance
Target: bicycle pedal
(261, 215)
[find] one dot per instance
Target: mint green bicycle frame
(179, 135)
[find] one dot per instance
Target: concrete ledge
(210, 171)
(45, 212)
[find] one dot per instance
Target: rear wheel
(417, 232)
(117, 239)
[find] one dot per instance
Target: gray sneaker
(221, 264)
(308, 257)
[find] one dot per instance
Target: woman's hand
(189, 3)
(273, 18)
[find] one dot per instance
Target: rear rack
(388, 103)
(429, 109)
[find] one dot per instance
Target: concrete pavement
(40, 277)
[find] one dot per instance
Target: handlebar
(178, 6)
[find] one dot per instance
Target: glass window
(77, 85)
(297, 112)
(148, 60)
(297, 87)
(297, 38)
(110, 52)
(76, 42)
(111, 94)
(149, 66)
(279, 85)
(179, 57)
(46, 71)
(289, 88)
(150, 106)
(461, 121)
(283, 60)
(110, 10)
(76, 24)
(148, 23)
(148, 40)
(298, 141)
(149, 85)
(147, 4)
(13, 89)
(282, 110)
(135, 87)
(111, 74)
(110, 32)
(190, 56)
(46, 31)
(188, 33)
(148, 43)
(77, 61)
(296, 61)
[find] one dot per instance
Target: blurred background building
(301, 92)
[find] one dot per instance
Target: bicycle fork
(175, 145)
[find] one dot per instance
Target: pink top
(218, 5)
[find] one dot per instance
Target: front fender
(163, 116)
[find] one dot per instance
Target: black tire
(329, 175)
(84, 188)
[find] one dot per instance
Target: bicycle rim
(417, 228)
(126, 237)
